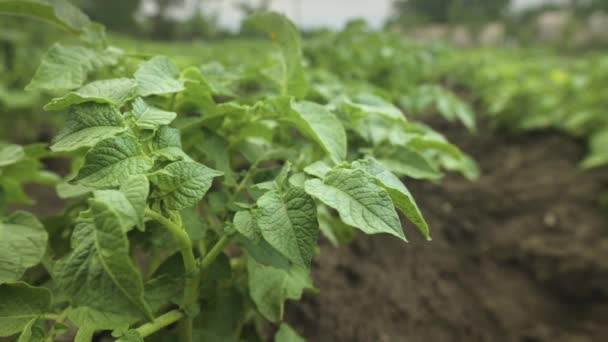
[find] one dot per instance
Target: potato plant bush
(382, 62)
(528, 90)
(197, 195)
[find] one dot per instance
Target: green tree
(444, 11)
(248, 9)
(116, 15)
(586, 7)
(201, 24)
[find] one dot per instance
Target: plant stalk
(243, 183)
(160, 322)
(191, 269)
(214, 252)
(58, 319)
(193, 273)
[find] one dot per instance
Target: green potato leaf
(288, 221)
(167, 137)
(23, 242)
(168, 145)
(129, 202)
(401, 196)
(360, 202)
(598, 155)
(245, 223)
(59, 12)
(334, 230)
(290, 73)
(197, 95)
(322, 126)
(87, 124)
(270, 287)
(67, 67)
(407, 162)
(183, 184)
(158, 76)
(10, 154)
(112, 247)
(315, 122)
(318, 169)
(66, 190)
(150, 117)
(34, 331)
(364, 104)
(21, 303)
(287, 334)
(112, 161)
(252, 241)
(102, 283)
(85, 332)
(114, 91)
(136, 190)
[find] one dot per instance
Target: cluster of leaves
(384, 63)
(449, 11)
(198, 194)
(527, 90)
(21, 42)
(17, 47)
(18, 166)
(12, 69)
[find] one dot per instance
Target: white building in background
(309, 13)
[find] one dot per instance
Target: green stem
(192, 271)
(160, 322)
(214, 252)
(202, 249)
(60, 318)
(50, 317)
(185, 330)
(245, 179)
(243, 183)
(153, 262)
(172, 103)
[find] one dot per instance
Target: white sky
(317, 13)
(312, 13)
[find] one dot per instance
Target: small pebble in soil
(550, 220)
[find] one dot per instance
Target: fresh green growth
(528, 90)
(198, 194)
(382, 63)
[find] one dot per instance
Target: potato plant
(197, 194)
(385, 63)
(526, 91)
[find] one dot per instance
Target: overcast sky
(314, 13)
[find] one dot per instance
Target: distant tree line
(122, 15)
(415, 12)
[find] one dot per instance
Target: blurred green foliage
(450, 11)
(520, 88)
(21, 42)
(115, 15)
(538, 89)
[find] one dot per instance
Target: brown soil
(519, 255)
